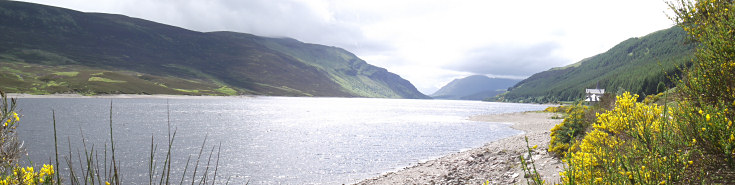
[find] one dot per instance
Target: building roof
(595, 91)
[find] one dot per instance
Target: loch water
(261, 140)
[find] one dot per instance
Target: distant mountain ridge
(54, 50)
(638, 65)
(475, 87)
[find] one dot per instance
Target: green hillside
(53, 50)
(638, 65)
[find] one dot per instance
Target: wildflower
(663, 182)
(47, 169)
(694, 141)
(708, 118)
(107, 183)
(704, 129)
(534, 147)
(598, 179)
(643, 167)
(691, 162)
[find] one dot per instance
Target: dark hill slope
(349, 72)
(639, 65)
(153, 58)
(475, 87)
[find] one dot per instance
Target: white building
(594, 95)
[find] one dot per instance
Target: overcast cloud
(510, 60)
(428, 42)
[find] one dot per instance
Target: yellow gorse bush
(691, 143)
(10, 151)
(28, 176)
(628, 145)
(629, 116)
(11, 119)
(559, 109)
(574, 125)
(706, 112)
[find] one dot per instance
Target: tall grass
(90, 165)
(158, 172)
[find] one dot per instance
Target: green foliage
(531, 173)
(634, 143)
(637, 65)
(100, 79)
(33, 78)
(692, 142)
(68, 74)
(576, 123)
(705, 112)
(227, 90)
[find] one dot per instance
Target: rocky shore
(497, 162)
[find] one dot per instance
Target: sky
(428, 42)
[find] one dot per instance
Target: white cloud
(428, 42)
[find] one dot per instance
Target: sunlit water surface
(264, 140)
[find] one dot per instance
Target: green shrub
(706, 112)
(691, 143)
(575, 124)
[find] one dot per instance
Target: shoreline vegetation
(496, 162)
(90, 168)
(683, 135)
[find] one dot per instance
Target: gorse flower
(28, 176)
(13, 118)
(626, 136)
(574, 125)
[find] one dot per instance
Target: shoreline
(123, 96)
(497, 162)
